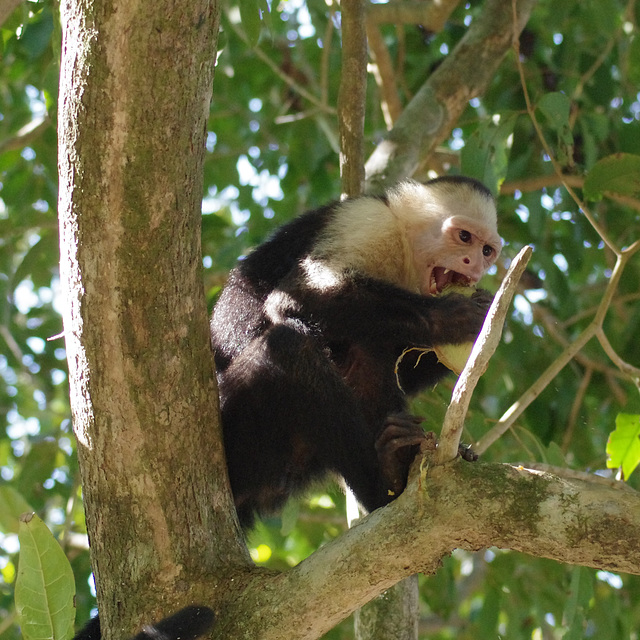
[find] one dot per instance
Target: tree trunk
(393, 614)
(135, 89)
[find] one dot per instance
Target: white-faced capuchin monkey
(310, 326)
(307, 335)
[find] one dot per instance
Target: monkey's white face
(452, 232)
(459, 253)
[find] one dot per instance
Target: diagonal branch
(430, 116)
(466, 506)
(484, 348)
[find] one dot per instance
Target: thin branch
(384, 75)
(575, 408)
(326, 55)
(286, 78)
(31, 131)
(518, 407)
(478, 361)
(553, 327)
(431, 15)
(556, 167)
(631, 371)
(352, 97)
(595, 328)
(536, 183)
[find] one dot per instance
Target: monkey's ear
(187, 624)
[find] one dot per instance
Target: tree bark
(134, 97)
(455, 506)
(432, 113)
(135, 87)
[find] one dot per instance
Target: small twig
(31, 131)
(384, 75)
(594, 329)
(478, 361)
(286, 78)
(574, 474)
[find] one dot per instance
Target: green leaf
(580, 594)
(634, 61)
(556, 107)
(37, 467)
(619, 173)
(250, 16)
(486, 152)
(45, 586)
(12, 506)
(623, 446)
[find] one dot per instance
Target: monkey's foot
(397, 446)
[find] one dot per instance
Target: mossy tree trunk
(135, 90)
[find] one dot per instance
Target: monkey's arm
(362, 308)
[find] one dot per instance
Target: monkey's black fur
(306, 374)
(187, 624)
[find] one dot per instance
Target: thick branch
(461, 505)
(430, 116)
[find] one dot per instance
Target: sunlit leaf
(45, 586)
(623, 446)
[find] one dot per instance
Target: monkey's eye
(464, 235)
(487, 250)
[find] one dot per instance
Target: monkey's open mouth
(441, 277)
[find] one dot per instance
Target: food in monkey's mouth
(452, 356)
(442, 278)
(455, 356)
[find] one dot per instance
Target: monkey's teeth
(446, 271)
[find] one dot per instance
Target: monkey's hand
(460, 317)
(397, 446)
